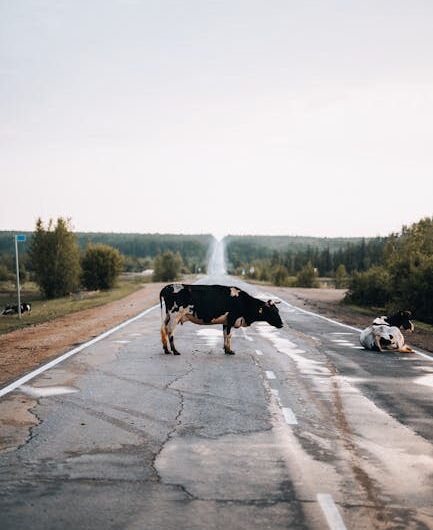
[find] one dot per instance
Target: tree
(101, 266)
(307, 276)
(371, 287)
(167, 266)
(341, 277)
(280, 275)
(55, 258)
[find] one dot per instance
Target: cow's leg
(164, 334)
(405, 349)
(171, 326)
(377, 342)
(228, 340)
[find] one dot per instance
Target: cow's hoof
(175, 352)
(167, 352)
(229, 352)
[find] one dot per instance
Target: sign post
(20, 237)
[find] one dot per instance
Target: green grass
(45, 310)
(423, 325)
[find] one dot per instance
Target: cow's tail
(161, 298)
(164, 336)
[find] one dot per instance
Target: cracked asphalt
(295, 426)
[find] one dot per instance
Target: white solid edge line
(429, 357)
(289, 416)
(9, 388)
(332, 515)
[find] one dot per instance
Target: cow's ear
(271, 303)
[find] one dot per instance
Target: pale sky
(226, 116)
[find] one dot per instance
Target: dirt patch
(328, 302)
(24, 350)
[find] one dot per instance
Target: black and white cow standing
(212, 304)
(384, 333)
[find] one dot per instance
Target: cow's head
(269, 313)
(402, 320)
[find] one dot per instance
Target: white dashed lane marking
(289, 416)
(330, 510)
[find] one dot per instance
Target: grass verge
(45, 310)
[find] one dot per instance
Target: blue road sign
(20, 237)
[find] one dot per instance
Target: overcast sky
(225, 116)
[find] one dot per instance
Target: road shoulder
(24, 350)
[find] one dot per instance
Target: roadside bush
(135, 264)
(101, 266)
(412, 284)
(280, 275)
(307, 276)
(167, 267)
(422, 303)
(5, 274)
(372, 287)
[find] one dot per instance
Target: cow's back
(211, 301)
(207, 302)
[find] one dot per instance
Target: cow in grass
(384, 333)
(13, 309)
(212, 304)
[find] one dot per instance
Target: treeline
(268, 259)
(139, 250)
(390, 273)
(193, 249)
(245, 249)
(404, 278)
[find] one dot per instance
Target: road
(300, 429)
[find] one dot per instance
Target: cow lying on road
(384, 333)
(13, 309)
(212, 304)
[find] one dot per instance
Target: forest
(139, 250)
(266, 253)
(390, 273)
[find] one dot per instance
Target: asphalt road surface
(300, 429)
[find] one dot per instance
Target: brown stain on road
(380, 518)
